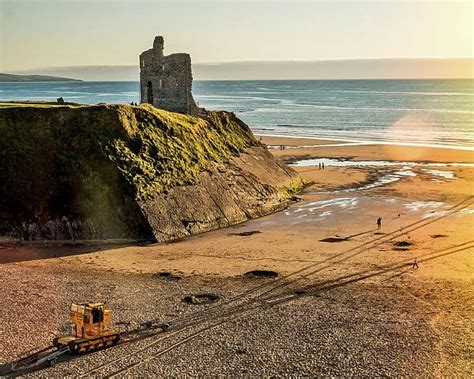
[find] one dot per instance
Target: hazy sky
(42, 33)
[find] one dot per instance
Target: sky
(50, 33)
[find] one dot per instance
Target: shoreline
(353, 142)
(305, 148)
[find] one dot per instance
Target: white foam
(405, 171)
(466, 211)
(342, 203)
(325, 214)
(442, 174)
(416, 206)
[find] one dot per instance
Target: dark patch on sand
(202, 298)
(166, 275)
(334, 239)
(245, 234)
(403, 243)
(261, 274)
(439, 235)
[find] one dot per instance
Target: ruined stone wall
(166, 81)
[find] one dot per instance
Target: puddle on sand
(317, 211)
(430, 208)
(396, 170)
(342, 203)
(440, 173)
(417, 206)
(435, 209)
(326, 212)
(350, 163)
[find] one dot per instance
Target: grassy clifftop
(154, 149)
(162, 149)
(120, 170)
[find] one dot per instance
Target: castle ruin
(166, 81)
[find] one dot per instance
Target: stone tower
(166, 81)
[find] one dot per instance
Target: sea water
(413, 112)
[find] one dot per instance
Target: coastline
(295, 140)
(312, 148)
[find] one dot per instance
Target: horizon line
(252, 61)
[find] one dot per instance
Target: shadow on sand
(11, 252)
(342, 239)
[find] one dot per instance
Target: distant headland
(34, 78)
(376, 68)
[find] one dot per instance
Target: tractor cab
(90, 319)
(91, 328)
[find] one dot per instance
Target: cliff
(118, 171)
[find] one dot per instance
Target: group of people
(321, 165)
(132, 103)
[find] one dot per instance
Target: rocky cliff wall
(117, 171)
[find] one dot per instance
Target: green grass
(164, 149)
(94, 162)
(295, 187)
(153, 149)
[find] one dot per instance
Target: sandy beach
(349, 299)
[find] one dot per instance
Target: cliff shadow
(24, 252)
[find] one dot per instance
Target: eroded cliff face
(117, 171)
(245, 187)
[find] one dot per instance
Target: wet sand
(319, 148)
(392, 319)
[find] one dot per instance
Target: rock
(117, 171)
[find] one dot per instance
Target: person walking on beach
(415, 264)
(323, 165)
(379, 222)
(319, 165)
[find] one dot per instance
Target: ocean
(409, 112)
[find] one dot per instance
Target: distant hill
(389, 68)
(34, 78)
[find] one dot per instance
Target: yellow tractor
(91, 329)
